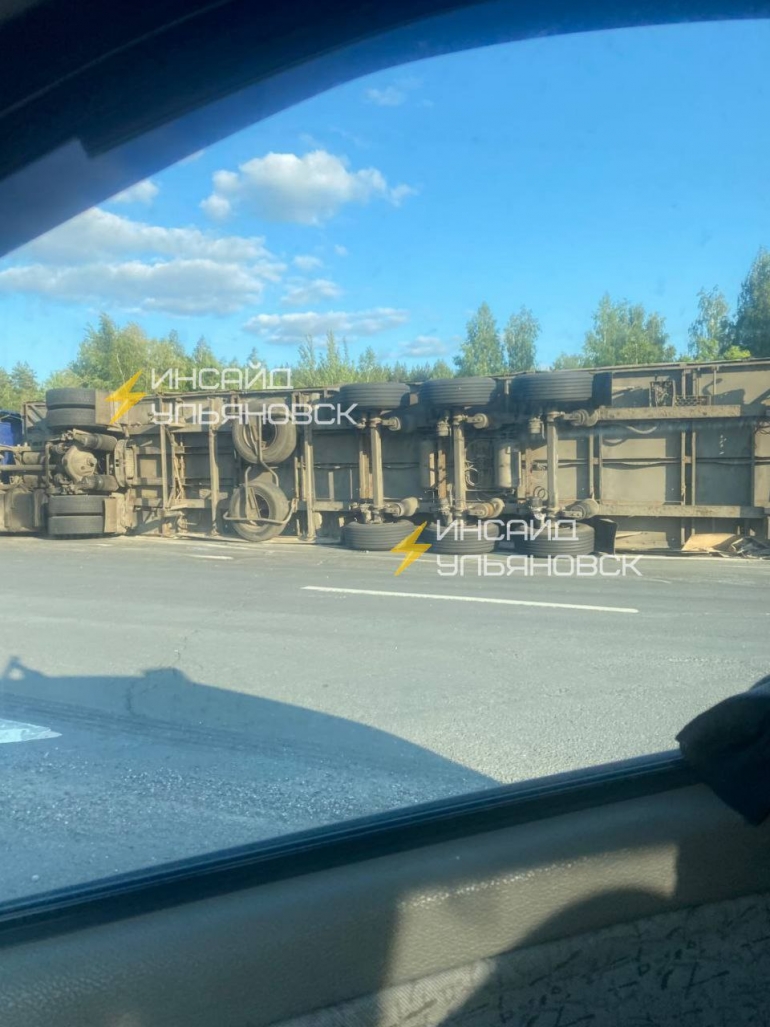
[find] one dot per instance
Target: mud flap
(605, 531)
(115, 514)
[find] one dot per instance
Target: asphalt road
(165, 698)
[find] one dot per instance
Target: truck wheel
(279, 437)
(471, 541)
(76, 525)
(553, 387)
(71, 408)
(581, 544)
(61, 418)
(457, 392)
(374, 395)
(82, 505)
(56, 398)
(266, 500)
(375, 536)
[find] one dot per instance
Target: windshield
(411, 442)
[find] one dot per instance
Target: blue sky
(541, 173)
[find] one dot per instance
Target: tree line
(621, 333)
(626, 333)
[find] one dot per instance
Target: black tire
(458, 392)
(374, 395)
(376, 536)
(462, 540)
(56, 398)
(76, 525)
(583, 543)
(75, 505)
(553, 387)
(62, 418)
(271, 502)
(279, 437)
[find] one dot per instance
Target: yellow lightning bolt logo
(411, 548)
(125, 397)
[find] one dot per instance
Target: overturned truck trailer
(644, 456)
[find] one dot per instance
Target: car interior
(631, 893)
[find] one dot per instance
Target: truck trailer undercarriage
(649, 457)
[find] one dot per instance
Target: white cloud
(300, 293)
(143, 192)
(306, 262)
(99, 235)
(217, 207)
(103, 258)
(341, 251)
(401, 192)
(390, 96)
(291, 328)
(174, 286)
(424, 346)
(305, 190)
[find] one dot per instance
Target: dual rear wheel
(75, 516)
(469, 539)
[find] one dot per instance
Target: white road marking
(15, 731)
(469, 599)
(208, 556)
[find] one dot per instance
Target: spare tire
(374, 395)
(270, 502)
(62, 505)
(279, 436)
(581, 544)
(462, 540)
(553, 387)
(458, 392)
(55, 398)
(376, 536)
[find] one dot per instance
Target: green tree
(568, 362)
(24, 383)
(162, 354)
(734, 353)
(370, 368)
(624, 333)
(18, 386)
(332, 367)
(108, 355)
(711, 333)
(422, 372)
(481, 352)
(304, 372)
(253, 360)
(752, 321)
(64, 378)
(419, 372)
(203, 356)
(519, 340)
(6, 391)
(441, 369)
